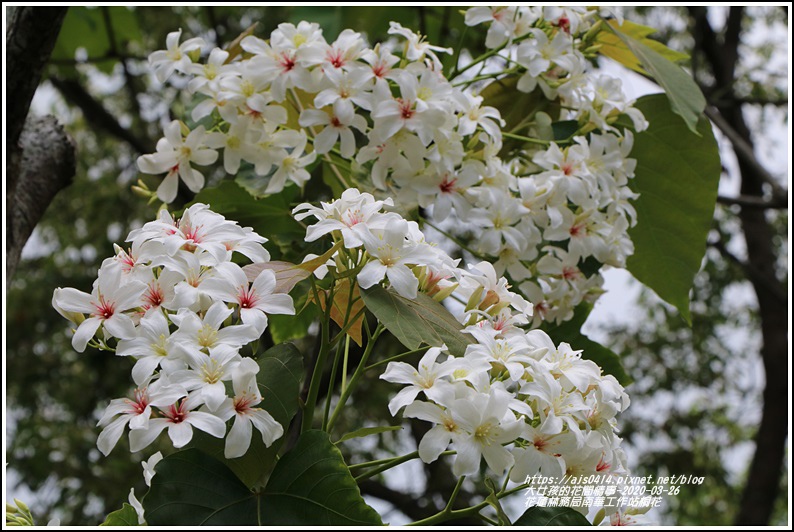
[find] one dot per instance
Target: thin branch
(96, 114)
(99, 59)
(745, 152)
(754, 202)
(751, 271)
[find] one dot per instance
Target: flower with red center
(255, 300)
(179, 418)
(243, 408)
(135, 412)
(105, 305)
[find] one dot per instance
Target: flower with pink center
(135, 412)
(354, 214)
(243, 408)
(179, 418)
(105, 306)
(255, 301)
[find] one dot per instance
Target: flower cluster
(511, 386)
(387, 119)
(176, 303)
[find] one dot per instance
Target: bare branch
(754, 202)
(745, 152)
(97, 115)
(751, 272)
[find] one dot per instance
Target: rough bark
(39, 154)
(721, 53)
(47, 164)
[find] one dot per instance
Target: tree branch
(746, 153)
(39, 154)
(97, 115)
(403, 502)
(31, 36)
(751, 272)
(47, 165)
(753, 202)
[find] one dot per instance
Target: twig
(754, 202)
(745, 152)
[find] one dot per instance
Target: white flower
(135, 412)
(392, 254)
(337, 128)
(174, 155)
(175, 57)
(105, 306)
(255, 301)
(426, 378)
(354, 214)
(153, 347)
(242, 408)
(179, 419)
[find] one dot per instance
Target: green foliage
(416, 322)
(677, 175)
(311, 485)
(87, 28)
(571, 332)
(125, 516)
(540, 517)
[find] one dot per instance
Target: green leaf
(559, 516)
(193, 488)
(312, 485)
(677, 176)
(367, 431)
(126, 516)
(613, 47)
(279, 378)
(571, 333)
(85, 27)
(270, 217)
(416, 322)
(685, 97)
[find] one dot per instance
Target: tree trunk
(39, 154)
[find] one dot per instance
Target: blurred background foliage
(694, 409)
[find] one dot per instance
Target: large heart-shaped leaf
(543, 516)
(279, 378)
(677, 176)
(311, 485)
(193, 488)
(415, 322)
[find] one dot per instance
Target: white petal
(467, 461)
(434, 443)
(270, 428)
(371, 274)
(180, 433)
(239, 438)
(208, 423)
(110, 435)
(142, 438)
(84, 333)
(403, 280)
